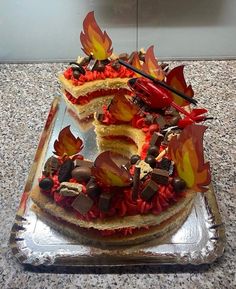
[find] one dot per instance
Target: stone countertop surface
(26, 92)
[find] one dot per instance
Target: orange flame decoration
(136, 63)
(108, 171)
(95, 41)
(151, 65)
(67, 144)
(175, 78)
(187, 153)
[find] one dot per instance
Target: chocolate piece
(149, 191)
(131, 57)
(92, 188)
(100, 115)
(165, 164)
(104, 202)
(149, 119)
(136, 183)
(115, 65)
(151, 161)
(145, 168)
(51, 165)
(84, 61)
(92, 64)
(46, 184)
(124, 56)
(82, 204)
(156, 139)
(160, 176)
(174, 120)
(153, 150)
(68, 189)
(99, 66)
(78, 67)
(161, 121)
(134, 159)
(81, 174)
(178, 184)
(64, 173)
(165, 67)
(83, 163)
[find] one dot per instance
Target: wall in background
(33, 30)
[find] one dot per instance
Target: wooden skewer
(161, 154)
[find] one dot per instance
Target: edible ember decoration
(94, 41)
(187, 153)
(67, 144)
(175, 78)
(108, 170)
(151, 65)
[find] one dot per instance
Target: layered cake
(151, 164)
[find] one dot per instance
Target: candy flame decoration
(175, 78)
(187, 153)
(95, 41)
(67, 144)
(151, 65)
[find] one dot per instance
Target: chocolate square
(161, 121)
(136, 183)
(82, 204)
(83, 163)
(160, 176)
(149, 191)
(156, 139)
(104, 202)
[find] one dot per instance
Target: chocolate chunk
(145, 168)
(156, 139)
(160, 176)
(79, 68)
(92, 188)
(149, 119)
(68, 189)
(104, 202)
(151, 161)
(99, 66)
(81, 174)
(84, 61)
(131, 57)
(178, 184)
(136, 183)
(100, 115)
(83, 163)
(165, 164)
(92, 64)
(65, 170)
(115, 65)
(153, 150)
(124, 56)
(174, 120)
(149, 191)
(82, 204)
(51, 165)
(134, 159)
(161, 121)
(46, 184)
(165, 67)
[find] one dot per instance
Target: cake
(143, 182)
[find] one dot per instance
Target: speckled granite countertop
(26, 92)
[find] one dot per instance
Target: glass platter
(200, 240)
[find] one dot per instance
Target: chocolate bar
(160, 176)
(149, 191)
(82, 204)
(136, 183)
